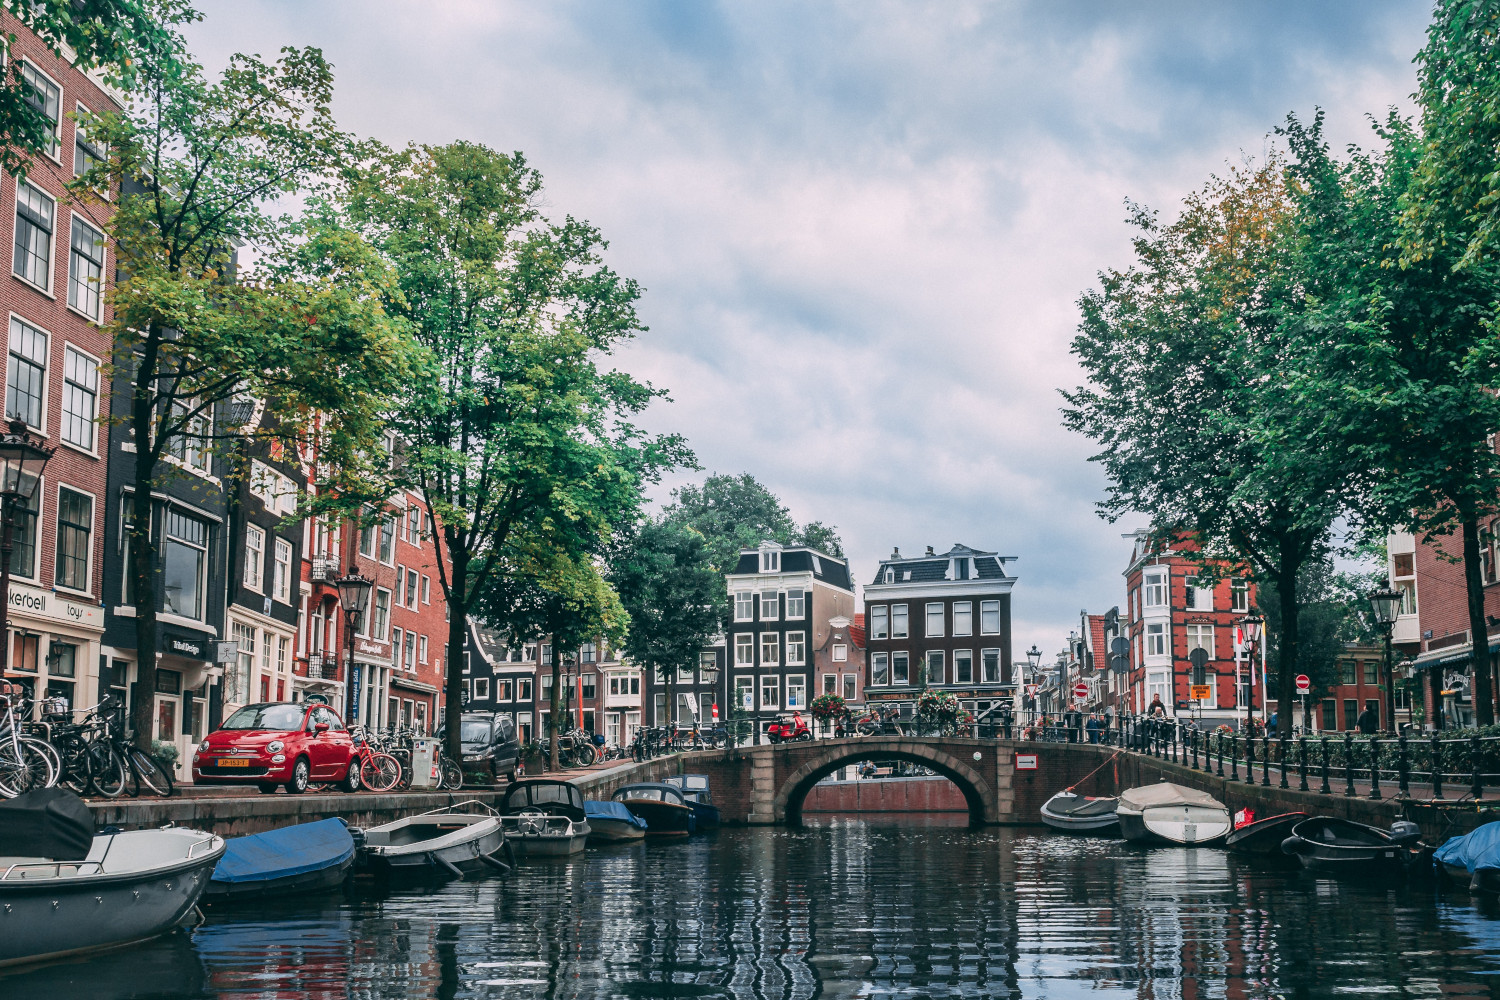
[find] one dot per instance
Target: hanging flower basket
(828, 706)
(940, 706)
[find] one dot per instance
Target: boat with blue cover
(695, 791)
(611, 822)
(306, 857)
(1474, 857)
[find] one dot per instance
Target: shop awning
(1449, 657)
(412, 684)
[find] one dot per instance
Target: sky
(863, 227)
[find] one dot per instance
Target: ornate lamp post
(1252, 626)
(1386, 605)
(1034, 658)
(21, 463)
(354, 598)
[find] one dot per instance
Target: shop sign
(40, 603)
(370, 647)
(174, 644)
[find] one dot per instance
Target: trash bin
(425, 768)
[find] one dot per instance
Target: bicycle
(25, 762)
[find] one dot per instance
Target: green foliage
(828, 706)
(1334, 611)
(737, 512)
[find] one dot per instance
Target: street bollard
(1302, 763)
(1234, 757)
(1349, 790)
(1375, 769)
(1437, 768)
(1221, 755)
(1250, 760)
(1478, 786)
(1284, 783)
(1326, 789)
(1265, 760)
(1193, 739)
(1403, 769)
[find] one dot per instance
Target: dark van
(489, 742)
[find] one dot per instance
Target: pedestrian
(1156, 709)
(1368, 722)
(1095, 725)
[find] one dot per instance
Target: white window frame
(940, 658)
(1156, 639)
(398, 635)
(900, 611)
(46, 367)
(374, 606)
(851, 686)
(770, 560)
(880, 669)
(796, 605)
(55, 153)
(963, 654)
(88, 569)
(422, 649)
(426, 589)
(796, 649)
(934, 607)
(281, 578)
(744, 649)
(72, 385)
(770, 684)
(1239, 595)
(796, 683)
(899, 656)
(987, 608)
(1195, 633)
(770, 649)
(984, 655)
(881, 614)
(840, 652)
(771, 598)
(252, 577)
(744, 605)
(1155, 591)
(98, 293)
(1201, 597)
(963, 618)
(51, 242)
(744, 693)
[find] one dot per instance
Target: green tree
(304, 331)
(130, 42)
(676, 600)
(521, 443)
(737, 512)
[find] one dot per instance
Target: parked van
(489, 742)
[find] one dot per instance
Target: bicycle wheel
(453, 775)
(587, 754)
(380, 772)
(22, 770)
(152, 775)
(106, 769)
(47, 753)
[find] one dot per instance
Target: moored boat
(303, 858)
(64, 891)
(699, 798)
(544, 817)
(1174, 814)
(1327, 843)
(1073, 813)
(465, 836)
(1473, 858)
(611, 822)
(1263, 837)
(662, 806)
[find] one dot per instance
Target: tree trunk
(142, 572)
(1479, 657)
(458, 625)
(1287, 642)
(556, 704)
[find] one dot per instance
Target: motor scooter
(788, 728)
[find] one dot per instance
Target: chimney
(929, 550)
(895, 552)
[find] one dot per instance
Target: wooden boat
(64, 891)
(662, 806)
(1474, 858)
(695, 791)
(1073, 813)
(544, 817)
(1330, 844)
(1174, 814)
(1263, 837)
(465, 836)
(304, 858)
(611, 822)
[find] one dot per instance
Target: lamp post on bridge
(1386, 605)
(1034, 658)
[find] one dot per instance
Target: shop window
(23, 652)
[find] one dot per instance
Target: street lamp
(354, 598)
(21, 463)
(1386, 604)
(1252, 625)
(1034, 658)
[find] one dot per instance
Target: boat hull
(1100, 818)
(705, 816)
(1183, 825)
(539, 835)
(663, 819)
(301, 884)
(603, 830)
(1263, 837)
(1343, 847)
(467, 854)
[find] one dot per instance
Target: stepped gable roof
(932, 566)
(800, 559)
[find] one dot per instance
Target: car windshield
(475, 732)
(280, 717)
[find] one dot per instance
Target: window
(397, 647)
(744, 606)
(190, 444)
(1239, 596)
(989, 617)
(880, 669)
(744, 693)
(87, 153)
(75, 524)
(45, 97)
(708, 667)
(989, 660)
(86, 269)
(411, 589)
(367, 539)
(26, 374)
(744, 649)
(963, 618)
(1156, 640)
(851, 687)
(1156, 590)
(80, 398)
(900, 667)
(880, 622)
(410, 658)
(1351, 713)
(239, 683)
(770, 692)
(587, 653)
(34, 219)
(935, 671)
(935, 619)
(796, 604)
(961, 568)
(1201, 637)
(1408, 591)
(388, 541)
(481, 688)
(422, 649)
(796, 692)
(898, 621)
(890, 575)
(381, 618)
(840, 652)
(796, 649)
(770, 649)
(963, 666)
(1346, 672)
(281, 588)
(524, 688)
(1157, 687)
(184, 558)
(255, 549)
(1200, 596)
(1330, 718)
(1369, 672)
(770, 560)
(426, 589)
(770, 605)
(830, 683)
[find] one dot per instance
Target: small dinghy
(64, 891)
(1262, 837)
(695, 791)
(662, 806)
(1073, 813)
(1173, 814)
(1473, 858)
(465, 836)
(611, 822)
(544, 817)
(307, 857)
(1340, 845)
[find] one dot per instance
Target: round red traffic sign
(1304, 684)
(1080, 690)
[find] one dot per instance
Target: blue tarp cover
(1476, 849)
(291, 850)
(611, 810)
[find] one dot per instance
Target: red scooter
(787, 728)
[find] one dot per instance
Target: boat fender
(457, 872)
(1292, 845)
(1404, 831)
(495, 863)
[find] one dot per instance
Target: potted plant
(828, 707)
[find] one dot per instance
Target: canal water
(845, 909)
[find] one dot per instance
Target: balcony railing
(325, 570)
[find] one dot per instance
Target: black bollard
(1284, 783)
(1403, 769)
(1265, 760)
(1478, 784)
(1249, 760)
(1302, 763)
(1326, 789)
(1375, 769)
(1349, 790)
(1221, 755)
(1234, 757)
(1437, 769)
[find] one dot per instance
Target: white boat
(452, 839)
(1170, 813)
(1073, 813)
(544, 817)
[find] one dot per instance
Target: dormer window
(890, 575)
(770, 558)
(961, 569)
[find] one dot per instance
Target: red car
(278, 744)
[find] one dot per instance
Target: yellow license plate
(227, 762)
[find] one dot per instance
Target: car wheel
(300, 774)
(351, 781)
(268, 787)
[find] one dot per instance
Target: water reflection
(846, 909)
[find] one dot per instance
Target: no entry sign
(1304, 684)
(1080, 690)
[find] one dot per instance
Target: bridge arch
(977, 792)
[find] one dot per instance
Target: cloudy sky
(862, 227)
